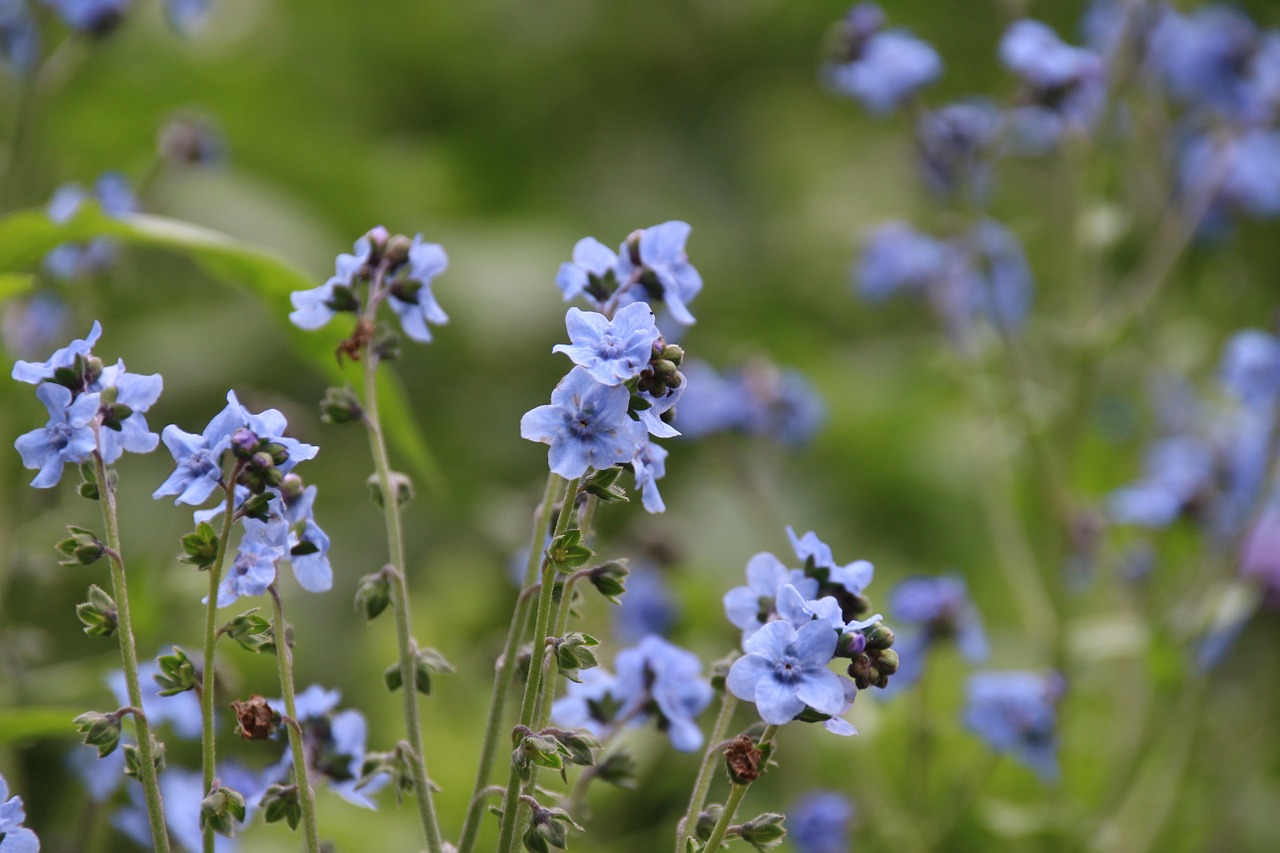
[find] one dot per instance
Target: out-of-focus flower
(73, 260)
(880, 68)
(1016, 713)
(819, 822)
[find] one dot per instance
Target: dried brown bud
(744, 759)
(257, 719)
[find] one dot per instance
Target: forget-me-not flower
(14, 837)
(1016, 713)
(586, 424)
(410, 295)
(19, 36)
(66, 439)
(881, 68)
(955, 146)
(139, 393)
(612, 351)
(315, 307)
(34, 373)
(650, 464)
(592, 273)
(750, 607)
(785, 670)
(656, 258)
(818, 822)
(74, 260)
(1066, 85)
(929, 610)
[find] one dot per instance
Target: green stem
(533, 686)
(400, 599)
(207, 682)
(707, 772)
(129, 654)
(284, 665)
(736, 794)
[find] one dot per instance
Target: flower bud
(373, 594)
(82, 548)
(340, 406)
(99, 730)
(763, 831)
(879, 636)
(222, 810)
(281, 802)
(573, 653)
(200, 548)
(133, 762)
(98, 614)
(244, 443)
(618, 768)
(401, 485)
(887, 662)
(398, 250)
(177, 673)
(251, 632)
(610, 579)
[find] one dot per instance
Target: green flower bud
(281, 802)
(763, 832)
(879, 636)
(200, 548)
(618, 768)
(177, 673)
(340, 406)
(82, 548)
(887, 662)
(373, 594)
(548, 828)
(573, 653)
(673, 353)
(610, 579)
(578, 745)
(133, 764)
(98, 614)
(99, 730)
(222, 810)
(397, 251)
(400, 484)
(567, 552)
(251, 632)
(707, 820)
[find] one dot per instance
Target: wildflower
(1237, 172)
(750, 607)
(308, 544)
(655, 258)
(133, 394)
(586, 425)
(264, 544)
(785, 670)
(650, 464)
(881, 68)
(1250, 369)
(1016, 713)
(757, 399)
(34, 373)
(647, 608)
(14, 837)
(316, 307)
(96, 17)
(66, 438)
(933, 609)
(954, 145)
(19, 36)
(818, 822)
(820, 563)
(612, 351)
(334, 742)
(896, 258)
(410, 292)
(1065, 85)
(112, 192)
(1175, 473)
(592, 273)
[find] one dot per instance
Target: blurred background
(506, 131)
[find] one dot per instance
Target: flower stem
(533, 686)
(400, 598)
(129, 655)
(207, 681)
(736, 794)
(284, 665)
(707, 772)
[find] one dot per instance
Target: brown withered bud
(744, 759)
(257, 719)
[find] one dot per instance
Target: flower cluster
(623, 389)
(757, 399)
(794, 623)
(654, 678)
(92, 408)
(384, 268)
(650, 266)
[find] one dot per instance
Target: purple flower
(995, 280)
(113, 194)
(818, 822)
(586, 425)
(1250, 368)
(955, 145)
(410, 295)
(14, 837)
(612, 351)
(66, 438)
(592, 273)
(655, 258)
(750, 607)
(785, 670)
(881, 68)
(1016, 713)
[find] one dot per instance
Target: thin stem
(208, 749)
(542, 712)
(533, 686)
(736, 794)
(129, 654)
(400, 598)
(284, 665)
(707, 772)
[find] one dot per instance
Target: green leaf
(28, 235)
(19, 724)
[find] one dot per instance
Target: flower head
(316, 307)
(955, 145)
(612, 351)
(655, 258)
(14, 837)
(66, 438)
(1065, 85)
(592, 273)
(410, 295)
(650, 464)
(785, 670)
(117, 200)
(19, 37)
(750, 607)
(1016, 713)
(264, 544)
(880, 68)
(34, 373)
(587, 425)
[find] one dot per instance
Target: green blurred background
(506, 131)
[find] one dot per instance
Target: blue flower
(650, 464)
(994, 280)
(14, 837)
(1250, 368)
(410, 296)
(955, 146)
(586, 425)
(19, 36)
(1238, 172)
(335, 745)
(1016, 713)
(34, 373)
(139, 393)
(90, 16)
(113, 194)
(655, 258)
(592, 703)
(66, 438)
(750, 607)
(820, 562)
(592, 273)
(785, 670)
(818, 822)
(1175, 472)
(647, 608)
(896, 258)
(881, 68)
(263, 545)
(612, 351)
(181, 710)
(757, 399)
(316, 307)
(1066, 85)
(928, 610)
(308, 544)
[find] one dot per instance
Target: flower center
(788, 669)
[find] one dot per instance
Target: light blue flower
(198, 471)
(666, 680)
(612, 351)
(818, 822)
(316, 307)
(1065, 85)
(955, 148)
(758, 399)
(886, 70)
(586, 425)
(139, 393)
(410, 296)
(36, 372)
(927, 611)
(750, 607)
(66, 439)
(896, 258)
(183, 791)
(1175, 471)
(785, 670)
(650, 464)
(308, 544)
(263, 545)
(1016, 713)
(1238, 172)
(335, 744)
(820, 562)
(181, 710)
(655, 257)
(14, 837)
(1250, 368)
(90, 16)
(592, 273)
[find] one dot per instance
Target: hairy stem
(284, 665)
(707, 772)
(736, 794)
(129, 655)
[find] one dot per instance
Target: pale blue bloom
(995, 280)
(896, 258)
(410, 296)
(758, 399)
(1016, 713)
(36, 372)
(139, 393)
(659, 406)
(655, 258)
(891, 67)
(316, 307)
(1250, 367)
(785, 670)
(1239, 172)
(1066, 85)
(1175, 472)
(589, 704)
(592, 273)
(586, 425)
(750, 607)
(183, 791)
(820, 562)
(66, 439)
(310, 567)
(819, 822)
(612, 351)
(263, 545)
(929, 610)
(955, 147)
(14, 837)
(650, 464)
(335, 743)
(90, 16)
